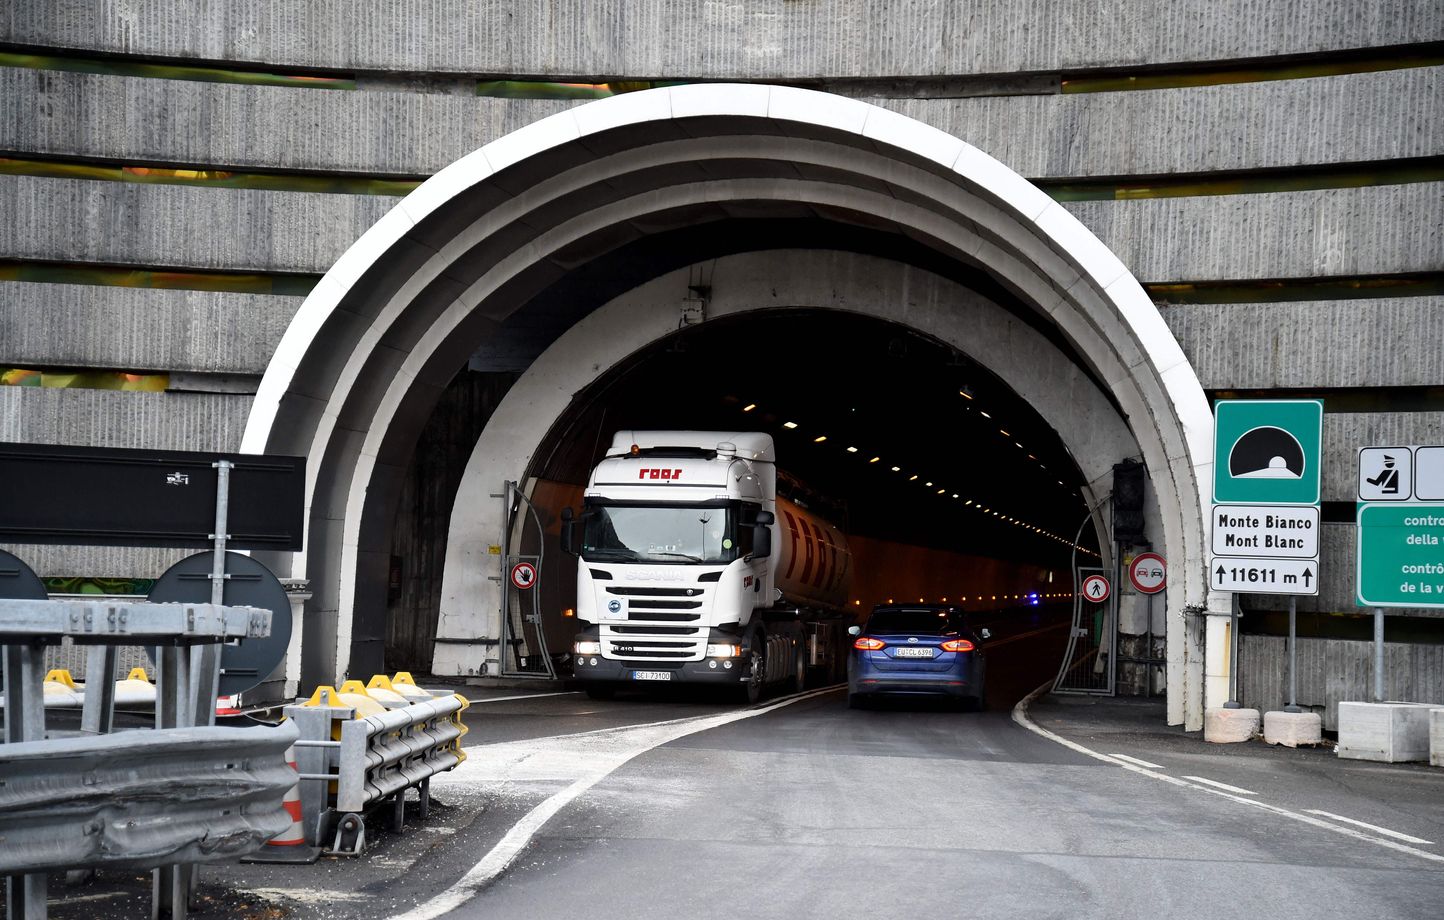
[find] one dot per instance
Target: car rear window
(920, 621)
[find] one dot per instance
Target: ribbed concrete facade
(416, 64)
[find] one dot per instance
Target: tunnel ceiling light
(789, 424)
(968, 502)
(1004, 433)
(1019, 446)
(955, 495)
(819, 439)
(965, 394)
(874, 460)
(913, 477)
(927, 484)
(941, 491)
(852, 450)
(984, 414)
(897, 469)
(749, 407)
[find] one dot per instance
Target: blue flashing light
(1033, 599)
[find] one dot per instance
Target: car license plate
(913, 653)
(651, 675)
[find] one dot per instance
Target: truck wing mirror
(761, 541)
(766, 518)
(569, 527)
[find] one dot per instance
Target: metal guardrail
(187, 639)
(142, 799)
(351, 763)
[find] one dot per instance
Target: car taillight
(957, 645)
(867, 644)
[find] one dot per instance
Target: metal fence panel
(1334, 670)
(142, 799)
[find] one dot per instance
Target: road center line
(1020, 715)
(1224, 786)
(1373, 827)
(500, 856)
(1139, 762)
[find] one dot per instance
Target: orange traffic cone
(289, 846)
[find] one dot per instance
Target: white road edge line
(500, 856)
(1373, 827)
(1224, 786)
(1141, 763)
(1020, 715)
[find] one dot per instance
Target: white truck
(693, 569)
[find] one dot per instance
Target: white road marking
(1020, 715)
(529, 696)
(1139, 762)
(1373, 827)
(1224, 786)
(593, 766)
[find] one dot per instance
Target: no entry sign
(523, 575)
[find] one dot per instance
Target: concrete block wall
(992, 74)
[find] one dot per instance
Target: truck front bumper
(642, 673)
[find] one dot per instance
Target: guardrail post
(97, 713)
(315, 763)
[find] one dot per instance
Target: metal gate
(1087, 666)
(523, 640)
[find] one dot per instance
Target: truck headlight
(588, 647)
(724, 651)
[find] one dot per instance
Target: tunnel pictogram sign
(523, 575)
(1096, 588)
(1267, 451)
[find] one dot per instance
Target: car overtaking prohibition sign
(1148, 572)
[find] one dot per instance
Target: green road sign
(1267, 451)
(1400, 555)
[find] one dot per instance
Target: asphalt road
(645, 808)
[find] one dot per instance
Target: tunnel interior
(949, 484)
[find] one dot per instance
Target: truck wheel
(757, 677)
(602, 693)
(799, 670)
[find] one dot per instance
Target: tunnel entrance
(949, 486)
(899, 222)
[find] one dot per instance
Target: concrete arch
(944, 310)
(381, 335)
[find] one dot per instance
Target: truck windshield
(660, 534)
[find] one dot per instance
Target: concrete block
(1292, 729)
(1391, 732)
(1436, 737)
(1230, 726)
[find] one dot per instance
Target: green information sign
(1267, 451)
(1401, 555)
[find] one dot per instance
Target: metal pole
(1293, 705)
(1378, 655)
(223, 505)
(1233, 702)
(1148, 648)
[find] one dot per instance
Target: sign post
(1267, 456)
(1400, 531)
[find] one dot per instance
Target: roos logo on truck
(659, 474)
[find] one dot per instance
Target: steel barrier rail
(142, 799)
(349, 765)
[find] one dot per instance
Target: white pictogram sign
(1096, 588)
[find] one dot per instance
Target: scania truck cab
(691, 569)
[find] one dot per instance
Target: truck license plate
(651, 675)
(913, 653)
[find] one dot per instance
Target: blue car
(927, 649)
